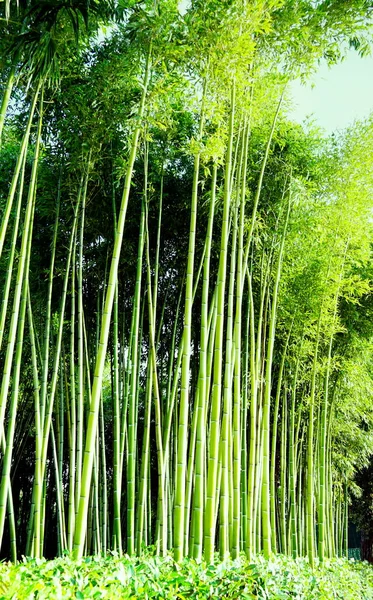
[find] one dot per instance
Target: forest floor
(153, 577)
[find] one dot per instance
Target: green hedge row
(153, 577)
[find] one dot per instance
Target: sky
(341, 94)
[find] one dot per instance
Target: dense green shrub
(153, 577)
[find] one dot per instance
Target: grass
(153, 577)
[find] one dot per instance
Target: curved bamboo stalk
(18, 167)
(213, 461)
(181, 468)
(81, 522)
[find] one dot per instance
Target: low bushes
(153, 577)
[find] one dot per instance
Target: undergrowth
(154, 577)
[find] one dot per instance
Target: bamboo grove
(185, 316)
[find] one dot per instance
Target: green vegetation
(156, 577)
(186, 332)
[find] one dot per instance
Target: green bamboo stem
(5, 483)
(274, 441)
(260, 181)
(283, 493)
(54, 377)
(82, 196)
(266, 508)
(13, 245)
(96, 483)
(310, 451)
(62, 538)
(225, 503)
(27, 227)
(46, 348)
(117, 474)
(213, 460)
(256, 366)
(61, 444)
(12, 529)
(38, 432)
(81, 522)
(188, 543)
(145, 459)
(6, 97)
(239, 410)
(171, 416)
(331, 514)
(257, 533)
(200, 457)
(73, 448)
(244, 437)
(180, 482)
(132, 415)
(161, 543)
(302, 499)
(294, 533)
(345, 519)
(104, 487)
(250, 543)
(321, 509)
(18, 167)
